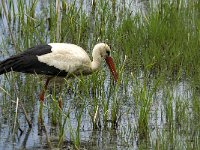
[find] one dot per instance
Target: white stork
(58, 60)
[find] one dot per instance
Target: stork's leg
(60, 97)
(44, 90)
(60, 102)
(41, 96)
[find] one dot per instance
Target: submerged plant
(162, 48)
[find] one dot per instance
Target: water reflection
(125, 137)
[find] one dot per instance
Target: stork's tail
(12, 63)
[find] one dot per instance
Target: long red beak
(111, 66)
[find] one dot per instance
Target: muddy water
(124, 137)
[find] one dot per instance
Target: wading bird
(58, 60)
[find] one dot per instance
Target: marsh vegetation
(156, 49)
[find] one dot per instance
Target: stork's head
(102, 50)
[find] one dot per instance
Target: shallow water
(166, 104)
(125, 137)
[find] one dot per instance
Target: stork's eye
(108, 53)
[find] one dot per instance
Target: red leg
(41, 96)
(60, 97)
(60, 103)
(44, 90)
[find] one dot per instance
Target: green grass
(155, 53)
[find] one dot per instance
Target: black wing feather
(27, 62)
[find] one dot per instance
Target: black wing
(27, 62)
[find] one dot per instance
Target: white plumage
(68, 57)
(59, 60)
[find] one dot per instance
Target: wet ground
(16, 134)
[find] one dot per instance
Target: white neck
(96, 63)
